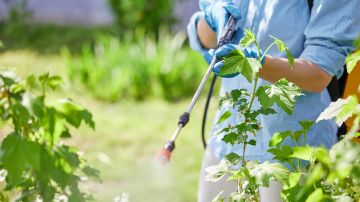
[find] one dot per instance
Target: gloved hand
(224, 50)
(217, 13)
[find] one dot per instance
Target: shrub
(143, 14)
(115, 69)
(36, 163)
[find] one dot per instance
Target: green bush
(34, 160)
(148, 15)
(115, 69)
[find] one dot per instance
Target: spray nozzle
(165, 154)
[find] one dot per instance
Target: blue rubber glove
(217, 13)
(224, 51)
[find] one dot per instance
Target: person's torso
(286, 20)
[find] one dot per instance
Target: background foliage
(142, 14)
(114, 69)
(34, 161)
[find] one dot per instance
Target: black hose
(206, 110)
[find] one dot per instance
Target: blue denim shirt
(324, 38)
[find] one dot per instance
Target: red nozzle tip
(164, 155)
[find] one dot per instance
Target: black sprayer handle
(228, 32)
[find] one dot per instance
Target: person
(319, 40)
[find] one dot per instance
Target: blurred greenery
(116, 69)
(131, 60)
(47, 38)
(17, 33)
(127, 137)
(142, 14)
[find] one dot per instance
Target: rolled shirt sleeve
(333, 25)
(194, 40)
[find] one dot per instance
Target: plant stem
(265, 52)
(258, 49)
(243, 154)
(254, 91)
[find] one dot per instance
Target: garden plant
(35, 163)
(153, 68)
(307, 173)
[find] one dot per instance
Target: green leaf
(306, 125)
(52, 167)
(252, 142)
(357, 134)
(342, 109)
(31, 81)
(74, 113)
(297, 134)
(232, 138)
(266, 111)
(218, 197)
(276, 139)
(216, 172)
(55, 81)
(224, 116)
(316, 196)
(233, 158)
(282, 47)
(255, 64)
(238, 63)
(38, 106)
(357, 42)
(294, 179)
(21, 115)
(349, 109)
(235, 96)
(44, 78)
(283, 93)
(238, 197)
(351, 61)
(248, 39)
(282, 154)
(322, 155)
(266, 171)
(303, 152)
(17, 155)
(315, 174)
(17, 87)
(91, 172)
(70, 160)
(246, 127)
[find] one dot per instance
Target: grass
(128, 135)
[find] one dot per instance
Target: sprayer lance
(227, 36)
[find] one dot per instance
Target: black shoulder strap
(336, 87)
(310, 4)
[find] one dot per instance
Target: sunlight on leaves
(351, 61)
(282, 47)
(248, 39)
(238, 63)
(283, 93)
(224, 116)
(267, 171)
(303, 152)
(216, 172)
(342, 109)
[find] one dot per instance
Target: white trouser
(208, 190)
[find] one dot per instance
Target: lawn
(127, 137)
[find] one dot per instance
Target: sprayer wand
(227, 36)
